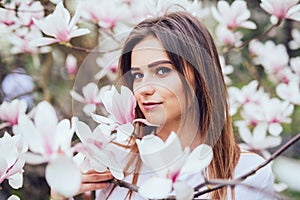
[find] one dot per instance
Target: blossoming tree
(46, 53)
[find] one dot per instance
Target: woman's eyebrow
(153, 64)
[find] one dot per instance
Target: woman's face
(156, 84)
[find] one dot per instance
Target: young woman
(172, 66)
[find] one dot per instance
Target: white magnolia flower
(274, 58)
(63, 175)
(51, 137)
(287, 171)
(279, 9)
(121, 107)
(276, 112)
(98, 150)
(169, 162)
(295, 42)
(250, 93)
(71, 64)
(226, 69)
(12, 159)
(92, 97)
(13, 197)
(109, 65)
(52, 145)
(257, 140)
(10, 112)
(289, 92)
(234, 15)
(60, 26)
(295, 63)
(107, 14)
(225, 36)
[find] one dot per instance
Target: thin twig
(262, 34)
(92, 50)
(125, 184)
(242, 178)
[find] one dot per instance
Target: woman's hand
(90, 181)
(93, 180)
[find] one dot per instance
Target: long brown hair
(191, 49)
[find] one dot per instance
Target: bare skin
(91, 180)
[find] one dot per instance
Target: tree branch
(259, 36)
(242, 178)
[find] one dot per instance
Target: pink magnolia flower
(234, 15)
(256, 48)
(8, 16)
(98, 151)
(71, 64)
(295, 63)
(274, 58)
(21, 38)
(226, 69)
(227, 37)
(60, 26)
(289, 92)
(285, 75)
(63, 175)
(272, 112)
(252, 114)
(10, 112)
(276, 112)
(287, 170)
(51, 145)
(169, 162)
(92, 97)
(257, 140)
(109, 65)
(295, 42)
(29, 10)
(121, 107)
(106, 14)
(279, 9)
(248, 94)
(12, 159)
(51, 137)
(161, 7)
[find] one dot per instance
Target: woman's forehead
(147, 51)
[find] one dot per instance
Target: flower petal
(27, 128)
(63, 175)
(156, 188)
(275, 129)
(34, 159)
(16, 181)
(199, 158)
(43, 41)
(183, 191)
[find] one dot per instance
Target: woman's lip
(150, 105)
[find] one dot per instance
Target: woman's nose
(145, 89)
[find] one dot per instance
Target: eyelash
(165, 69)
(160, 71)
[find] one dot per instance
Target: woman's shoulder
(259, 185)
(249, 161)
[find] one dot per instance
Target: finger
(93, 171)
(93, 186)
(96, 177)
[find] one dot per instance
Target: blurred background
(268, 54)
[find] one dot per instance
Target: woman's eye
(163, 71)
(137, 75)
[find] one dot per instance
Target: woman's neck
(188, 134)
